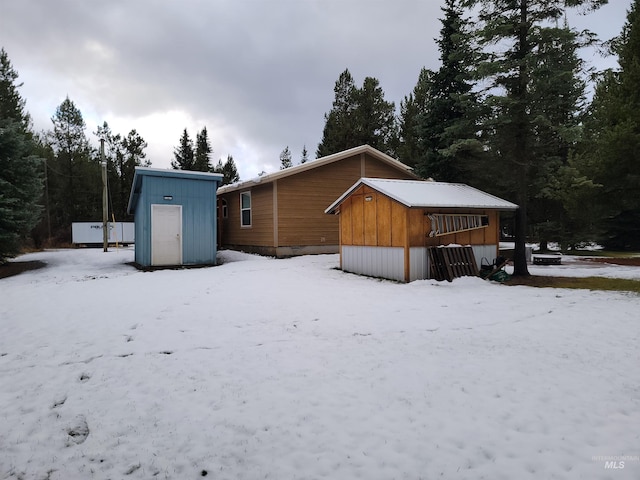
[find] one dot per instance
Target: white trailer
(87, 233)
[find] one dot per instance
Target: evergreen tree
(412, 109)
(358, 116)
(557, 98)
(133, 146)
(20, 168)
(123, 155)
(305, 155)
(447, 125)
(375, 118)
(75, 183)
(184, 158)
(512, 32)
(610, 154)
(340, 124)
(285, 158)
(202, 161)
(229, 171)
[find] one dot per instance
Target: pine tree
(123, 155)
(229, 171)
(184, 158)
(358, 116)
(557, 98)
(305, 155)
(412, 109)
(285, 158)
(20, 168)
(511, 32)
(447, 125)
(133, 146)
(375, 118)
(340, 125)
(202, 161)
(610, 154)
(75, 184)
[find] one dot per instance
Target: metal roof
(311, 164)
(417, 194)
(168, 173)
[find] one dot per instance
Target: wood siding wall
(260, 233)
(383, 222)
(301, 200)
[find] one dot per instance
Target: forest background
(513, 109)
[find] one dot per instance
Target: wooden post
(407, 247)
(105, 200)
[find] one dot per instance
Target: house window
(245, 209)
(225, 210)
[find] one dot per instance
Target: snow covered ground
(291, 369)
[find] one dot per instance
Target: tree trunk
(520, 253)
(522, 153)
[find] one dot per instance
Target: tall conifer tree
(21, 171)
(511, 32)
(75, 183)
(202, 159)
(358, 116)
(340, 130)
(285, 158)
(611, 151)
(229, 171)
(447, 125)
(183, 155)
(412, 109)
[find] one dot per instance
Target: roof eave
(271, 177)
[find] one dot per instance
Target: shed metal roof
(417, 194)
(160, 172)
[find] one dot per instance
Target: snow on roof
(418, 193)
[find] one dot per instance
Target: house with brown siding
(282, 214)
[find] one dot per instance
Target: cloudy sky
(259, 74)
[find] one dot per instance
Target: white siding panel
(384, 262)
(418, 263)
(484, 251)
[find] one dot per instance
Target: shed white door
(166, 234)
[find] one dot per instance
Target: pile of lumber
(447, 263)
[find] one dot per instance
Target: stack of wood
(448, 263)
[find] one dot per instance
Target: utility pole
(105, 200)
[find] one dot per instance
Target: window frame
(225, 208)
(243, 209)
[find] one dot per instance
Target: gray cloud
(259, 74)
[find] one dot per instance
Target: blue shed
(175, 216)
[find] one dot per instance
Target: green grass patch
(586, 283)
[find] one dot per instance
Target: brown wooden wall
(301, 201)
(383, 222)
(482, 236)
(374, 168)
(261, 231)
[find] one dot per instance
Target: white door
(166, 234)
